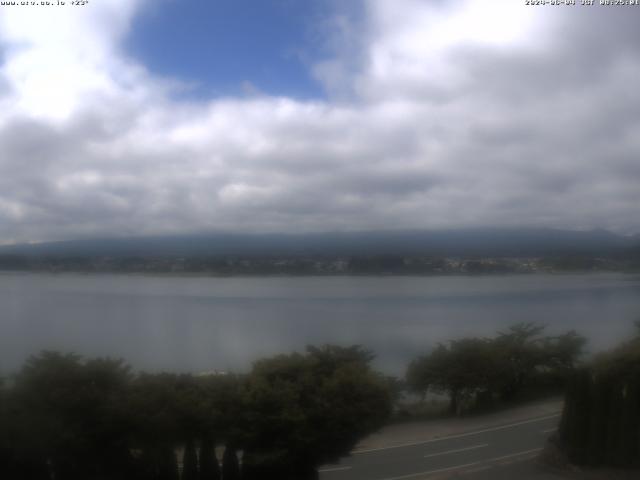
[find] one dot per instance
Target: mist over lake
(196, 324)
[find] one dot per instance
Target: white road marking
(457, 451)
(334, 469)
(549, 430)
(458, 467)
(461, 435)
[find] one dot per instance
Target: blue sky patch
(229, 47)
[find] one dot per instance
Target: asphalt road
(504, 451)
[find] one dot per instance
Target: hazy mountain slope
(481, 242)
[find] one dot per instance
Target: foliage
(71, 415)
(209, 467)
(190, 462)
(463, 369)
(67, 418)
(601, 421)
(475, 370)
(309, 409)
(230, 464)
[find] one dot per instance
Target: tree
(521, 352)
(464, 370)
(562, 352)
(472, 371)
(5, 449)
(167, 464)
(601, 421)
(230, 464)
(71, 417)
(157, 430)
(19, 455)
(68, 418)
(190, 462)
(209, 467)
(573, 429)
(222, 407)
(304, 410)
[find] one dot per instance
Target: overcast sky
(135, 117)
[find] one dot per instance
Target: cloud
(439, 114)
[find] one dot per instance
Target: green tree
(157, 431)
(222, 407)
(190, 462)
(304, 410)
(520, 348)
(209, 467)
(472, 371)
(230, 464)
(601, 421)
(563, 352)
(71, 416)
(167, 464)
(574, 430)
(464, 370)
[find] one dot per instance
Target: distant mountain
(464, 242)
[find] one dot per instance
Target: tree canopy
(312, 408)
(70, 418)
(471, 369)
(600, 423)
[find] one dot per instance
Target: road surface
(502, 451)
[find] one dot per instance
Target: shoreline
(315, 275)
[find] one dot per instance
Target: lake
(201, 324)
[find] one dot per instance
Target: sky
(141, 117)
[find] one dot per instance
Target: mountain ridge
(495, 242)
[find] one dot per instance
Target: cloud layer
(438, 114)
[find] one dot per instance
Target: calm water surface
(201, 324)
